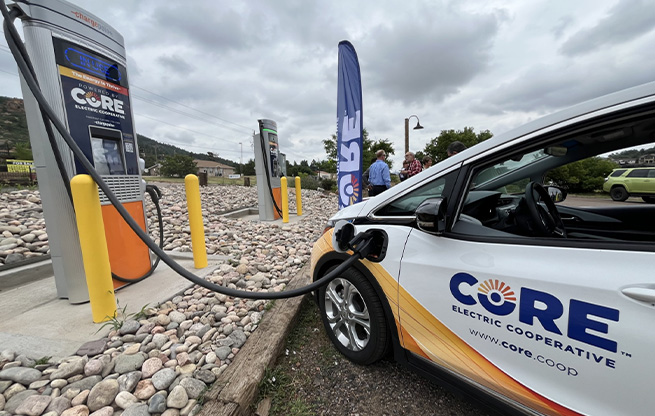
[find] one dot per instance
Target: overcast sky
(202, 72)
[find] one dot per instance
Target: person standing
(427, 162)
(455, 147)
(365, 182)
(378, 175)
(414, 167)
(403, 172)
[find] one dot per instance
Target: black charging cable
(361, 249)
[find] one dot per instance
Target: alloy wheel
(347, 314)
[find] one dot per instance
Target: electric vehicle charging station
(268, 169)
(81, 63)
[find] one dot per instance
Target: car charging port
(370, 244)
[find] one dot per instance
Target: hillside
(12, 120)
(14, 134)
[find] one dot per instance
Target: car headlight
(328, 226)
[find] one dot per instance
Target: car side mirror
(556, 193)
(431, 215)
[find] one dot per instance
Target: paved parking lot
(594, 201)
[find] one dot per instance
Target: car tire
(618, 193)
(649, 199)
(354, 318)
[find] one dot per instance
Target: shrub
(308, 182)
(328, 184)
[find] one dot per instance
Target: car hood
(351, 211)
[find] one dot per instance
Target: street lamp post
(241, 160)
(418, 127)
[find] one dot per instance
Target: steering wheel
(546, 221)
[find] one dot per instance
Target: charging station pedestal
(80, 63)
(267, 167)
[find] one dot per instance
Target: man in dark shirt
(455, 147)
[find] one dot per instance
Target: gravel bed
(162, 360)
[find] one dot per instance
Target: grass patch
(304, 329)
(269, 305)
(276, 385)
(43, 360)
(295, 368)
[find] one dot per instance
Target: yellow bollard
(298, 198)
(192, 186)
(95, 255)
(285, 199)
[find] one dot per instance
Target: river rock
(33, 405)
(22, 375)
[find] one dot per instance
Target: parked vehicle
(478, 278)
(626, 182)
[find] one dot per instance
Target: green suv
(626, 182)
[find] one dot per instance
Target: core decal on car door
(499, 300)
(425, 335)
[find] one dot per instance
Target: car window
(638, 173)
(407, 204)
(497, 204)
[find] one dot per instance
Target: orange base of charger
(128, 255)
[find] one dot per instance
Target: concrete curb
(235, 390)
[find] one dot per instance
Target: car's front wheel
(619, 193)
(354, 317)
(649, 199)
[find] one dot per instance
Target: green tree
(369, 147)
(249, 168)
(587, 175)
(436, 148)
(328, 165)
(178, 165)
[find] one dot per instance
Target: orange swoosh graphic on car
(421, 333)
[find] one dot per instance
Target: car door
(559, 328)
(637, 180)
(649, 182)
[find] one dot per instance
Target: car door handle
(643, 294)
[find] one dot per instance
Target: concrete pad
(252, 214)
(35, 322)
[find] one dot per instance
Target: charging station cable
(361, 250)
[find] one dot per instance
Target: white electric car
(483, 276)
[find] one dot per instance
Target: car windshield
(493, 173)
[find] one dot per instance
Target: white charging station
(81, 65)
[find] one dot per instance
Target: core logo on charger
(498, 298)
(96, 101)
